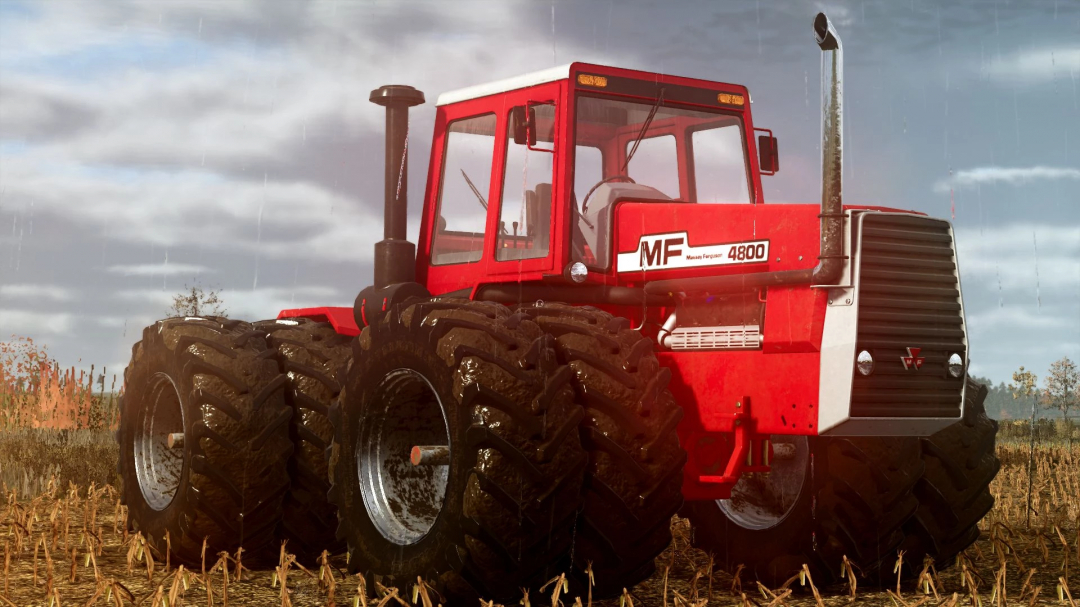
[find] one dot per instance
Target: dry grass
(65, 538)
(73, 544)
(29, 457)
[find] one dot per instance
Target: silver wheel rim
(403, 501)
(157, 467)
(763, 501)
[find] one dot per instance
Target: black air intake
(395, 257)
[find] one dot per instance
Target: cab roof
(507, 84)
(680, 88)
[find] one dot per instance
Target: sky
(149, 146)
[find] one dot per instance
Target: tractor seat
(601, 209)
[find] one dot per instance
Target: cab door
(489, 210)
(453, 232)
(523, 203)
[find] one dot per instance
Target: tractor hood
(655, 240)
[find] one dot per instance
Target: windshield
(683, 155)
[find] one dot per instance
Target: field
(66, 540)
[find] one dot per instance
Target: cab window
(720, 163)
(524, 230)
(463, 191)
(656, 163)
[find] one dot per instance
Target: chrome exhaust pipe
(831, 256)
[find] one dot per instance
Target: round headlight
(956, 365)
(864, 363)
(578, 272)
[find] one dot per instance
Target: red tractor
(603, 324)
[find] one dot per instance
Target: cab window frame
(479, 252)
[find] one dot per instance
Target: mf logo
(913, 360)
(659, 251)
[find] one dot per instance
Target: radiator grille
(909, 297)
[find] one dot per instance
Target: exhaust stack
(395, 257)
(832, 153)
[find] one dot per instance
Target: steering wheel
(619, 177)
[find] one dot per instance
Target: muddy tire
(497, 512)
(833, 497)
(954, 492)
(215, 381)
(313, 356)
(634, 479)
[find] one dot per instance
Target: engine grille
(714, 338)
(909, 297)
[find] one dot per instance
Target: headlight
(578, 272)
(956, 365)
(864, 363)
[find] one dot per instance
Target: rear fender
(339, 318)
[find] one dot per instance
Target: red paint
(794, 318)
(782, 386)
(340, 318)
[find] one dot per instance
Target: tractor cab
(527, 173)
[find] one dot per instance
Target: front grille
(909, 297)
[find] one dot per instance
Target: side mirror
(523, 125)
(768, 155)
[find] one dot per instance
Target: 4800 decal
(748, 252)
(672, 250)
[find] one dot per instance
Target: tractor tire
(495, 513)
(954, 492)
(214, 381)
(634, 479)
(313, 356)
(834, 497)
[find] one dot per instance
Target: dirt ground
(71, 548)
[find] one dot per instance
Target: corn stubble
(72, 547)
(66, 540)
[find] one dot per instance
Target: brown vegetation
(73, 545)
(66, 541)
(36, 393)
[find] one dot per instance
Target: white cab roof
(509, 84)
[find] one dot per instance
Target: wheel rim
(762, 501)
(403, 501)
(157, 467)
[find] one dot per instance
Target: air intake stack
(395, 257)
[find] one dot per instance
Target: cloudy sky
(145, 146)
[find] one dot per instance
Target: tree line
(1055, 395)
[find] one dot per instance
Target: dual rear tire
(478, 388)
(313, 357)
(633, 484)
(212, 386)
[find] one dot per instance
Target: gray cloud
(163, 269)
(34, 292)
(236, 141)
(968, 178)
